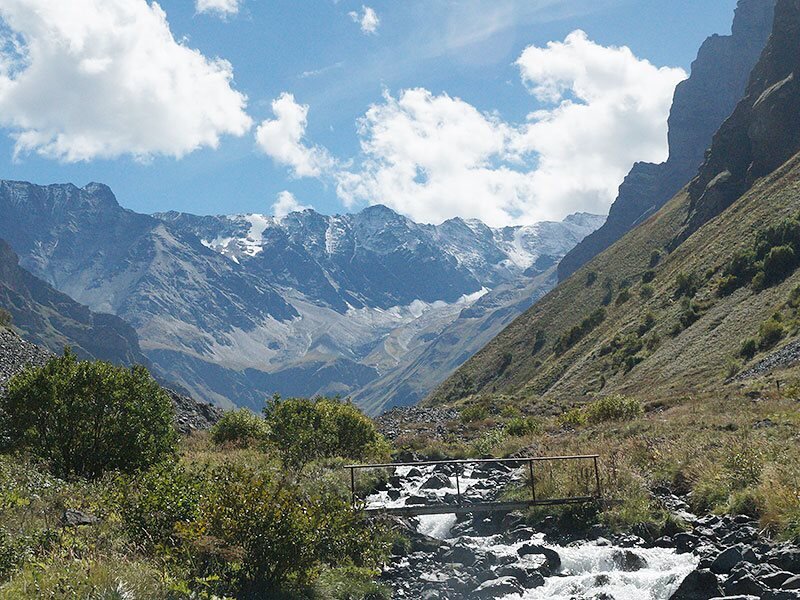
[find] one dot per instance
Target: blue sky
(316, 51)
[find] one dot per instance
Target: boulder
(628, 561)
(497, 588)
(792, 583)
(698, 585)
(745, 585)
(776, 580)
(460, 554)
(726, 560)
(75, 518)
(552, 559)
(787, 559)
(530, 578)
(437, 481)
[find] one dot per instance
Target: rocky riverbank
(501, 556)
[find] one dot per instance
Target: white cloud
(435, 157)
(221, 7)
(286, 203)
(367, 19)
(103, 78)
(282, 139)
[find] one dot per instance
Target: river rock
(777, 579)
(628, 561)
(787, 559)
(437, 481)
(530, 578)
(698, 585)
(793, 583)
(744, 585)
(460, 554)
(553, 560)
(726, 560)
(498, 588)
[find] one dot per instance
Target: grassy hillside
(675, 360)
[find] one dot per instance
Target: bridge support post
(597, 479)
(353, 486)
(458, 484)
(533, 481)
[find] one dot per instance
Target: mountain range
(236, 308)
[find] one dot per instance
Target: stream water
(589, 570)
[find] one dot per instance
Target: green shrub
(648, 276)
(647, 324)
(522, 426)
(686, 285)
(86, 418)
(646, 292)
(575, 417)
(591, 277)
(778, 264)
(655, 258)
(264, 537)
(303, 430)
(770, 333)
(473, 413)
(239, 428)
(613, 408)
(623, 297)
(484, 445)
(748, 349)
(155, 502)
(578, 332)
(5, 318)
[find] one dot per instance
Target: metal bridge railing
(531, 462)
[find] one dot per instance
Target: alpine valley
(242, 307)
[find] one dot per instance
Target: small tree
(5, 318)
(239, 428)
(304, 430)
(86, 418)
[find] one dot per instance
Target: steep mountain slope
(623, 323)
(236, 308)
(52, 319)
(701, 104)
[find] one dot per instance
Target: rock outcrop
(701, 104)
(761, 134)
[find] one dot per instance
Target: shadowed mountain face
(626, 323)
(237, 308)
(53, 320)
(701, 104)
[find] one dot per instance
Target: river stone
(776, 580)
(747, 584)
(530, 578)
(414, 472)
(726, 560)
(553, 560)
(460, 554)
(416, 500)
(394, 494)
(787, 559)
(628, 561)
(497, 588)
(436, 482)
(792, 583)
(698, 585)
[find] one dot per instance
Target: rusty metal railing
(461, 507)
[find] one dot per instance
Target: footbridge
(470, 486)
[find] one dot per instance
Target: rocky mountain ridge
(236, 308)
(701, 104)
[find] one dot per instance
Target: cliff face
(761, 134)
(701, 104)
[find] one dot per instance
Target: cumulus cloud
(283, 139)
(221, 7)
(435, 157)
(286, 203)
(104, 78)
(367, 19)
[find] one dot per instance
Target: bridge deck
(460, 509)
